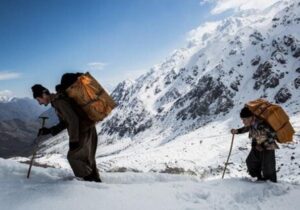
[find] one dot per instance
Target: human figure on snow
(82, 132)
(261, 159)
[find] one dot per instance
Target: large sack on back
(89, 95)
(275, 116)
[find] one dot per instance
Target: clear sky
(114, 39)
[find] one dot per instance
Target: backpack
(88, 94)
(275, 116)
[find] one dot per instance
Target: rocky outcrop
(282, 95)
(264, 76)
(137, 120)
(209, 97)
(255, 60)
(297, 82)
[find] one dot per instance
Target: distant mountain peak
(249, 55)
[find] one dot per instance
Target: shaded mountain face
(17, 137)
(18, 126)
(225, 64)
(20, 108)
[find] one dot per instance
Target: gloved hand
(44, 131)
(74, 145)
(234, 131)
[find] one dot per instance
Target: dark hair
(38, 90)
(245, 113)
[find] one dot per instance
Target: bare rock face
(255, 60)
(288, 40)
(256, 38)
(235, 85)
(122, 92)
(208, 91)
(294, 46)
(170, 77)
(263, 71)
(265, 77)
(170, 96)
(297, 82)
(137, 120)
(297, 52)
(283, 95)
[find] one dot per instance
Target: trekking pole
(228, 156)
(36, 146)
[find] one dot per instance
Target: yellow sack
(91, 97)
(275, 116)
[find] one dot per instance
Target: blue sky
(114, 39)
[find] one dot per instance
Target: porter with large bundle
(88, 94)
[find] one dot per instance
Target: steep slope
(226, 63)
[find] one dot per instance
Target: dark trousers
(82, 160)
(262, 164)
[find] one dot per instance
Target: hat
(38, 90)
(68, 79)
(245, 113)
(58, 88)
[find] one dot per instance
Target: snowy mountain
(18, 125)
(20, 108)
(176, 118)
(4, 98)
(225, 64)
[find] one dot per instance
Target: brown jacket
(70, 116)
(81, 130)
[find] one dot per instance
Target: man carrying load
(79, 120)
(267, 124)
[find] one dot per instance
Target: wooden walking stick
(36, 146)
(228, 156)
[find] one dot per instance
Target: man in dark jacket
(261, 159)
(82, 132)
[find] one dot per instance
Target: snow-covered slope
(49, 189)
(176, 118)
(225, 64)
